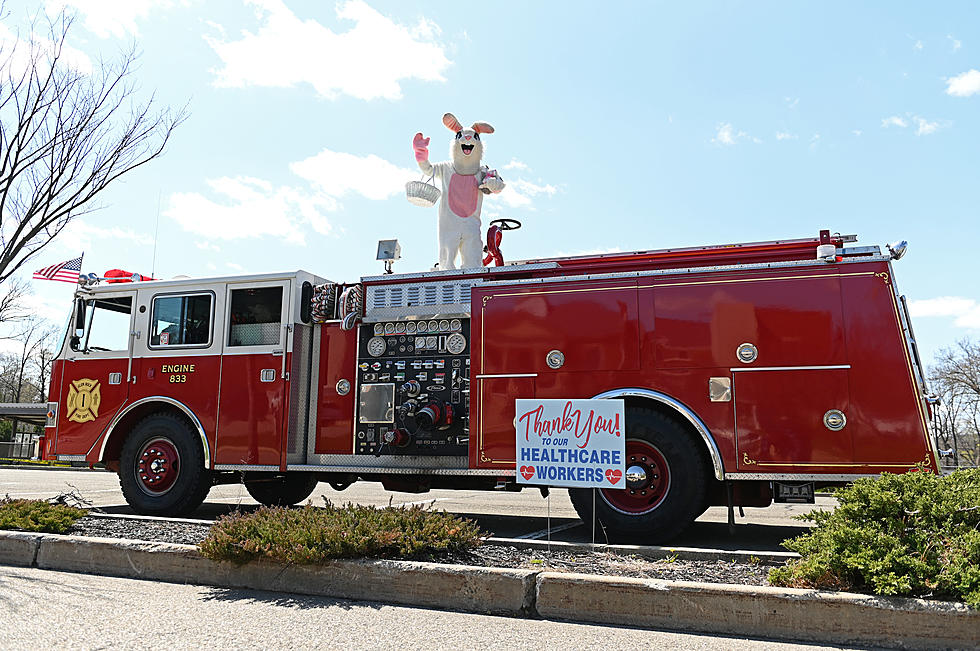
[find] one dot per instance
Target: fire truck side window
(256, 316)
(107, 324)
(181, 321)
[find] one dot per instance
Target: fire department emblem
(84, 397)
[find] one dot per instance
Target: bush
(38, 515)
(311, 535)
(916, 534)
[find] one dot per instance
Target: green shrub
(916, 534)
(38, 515)
(311, 535)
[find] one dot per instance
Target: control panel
(413, 388)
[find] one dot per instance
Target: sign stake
(593, 519)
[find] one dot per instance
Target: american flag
(67, 271)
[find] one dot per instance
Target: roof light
(897, 249)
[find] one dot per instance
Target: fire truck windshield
(106, 325)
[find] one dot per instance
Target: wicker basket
(422, 193)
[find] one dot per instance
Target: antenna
(156, 230)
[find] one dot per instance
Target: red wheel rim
(647, 480)
(157, 466)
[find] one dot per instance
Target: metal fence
(18, 450)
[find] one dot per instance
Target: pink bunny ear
(482, 127)
(452, 123)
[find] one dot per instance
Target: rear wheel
(666, 479)
(161, 470)
(284, 490)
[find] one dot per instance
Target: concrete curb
(775, 613)
(780, 613)
(473, 589)
(19, 548)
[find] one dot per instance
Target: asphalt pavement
(505, 514)
(46, 609)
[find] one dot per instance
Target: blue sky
(620, 126)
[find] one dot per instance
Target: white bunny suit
(463, 182)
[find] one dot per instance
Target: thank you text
(577, 443)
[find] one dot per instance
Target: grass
(38, 515)
(313, 535)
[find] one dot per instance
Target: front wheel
(162, 467)
(284, 490)
(666, 479)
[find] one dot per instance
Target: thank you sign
(574, 443)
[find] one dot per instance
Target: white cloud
(727, 135)
(515, 164)
(16, 53)
(107, 18)
(207, 246)
(336, 174)
(964, 84)
(785, 135)
(234, 265)
(83, 235)
(249, 207)
(519, 193)
(965, 310)
(919, 45)
(857, 132)
(955, 43)
(367, 62)
(925, 127)
(791, 102)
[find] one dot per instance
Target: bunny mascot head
(464, 181)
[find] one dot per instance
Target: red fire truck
(750, 373)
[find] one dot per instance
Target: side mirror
(79, 317)
(306, 303)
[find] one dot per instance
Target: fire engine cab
(750, 373)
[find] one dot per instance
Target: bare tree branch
(65, 135)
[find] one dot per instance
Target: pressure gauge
(430, 342)
(420, 343)
(433, 326)
(455, 343)
(399, 328)
(379, 328)
(455, 325)
(410, 327)
(376, 346)
(444, 326)
(389, 328)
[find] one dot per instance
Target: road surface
(45, 609)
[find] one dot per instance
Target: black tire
(181, 483)
(675, 502)
(284, 490)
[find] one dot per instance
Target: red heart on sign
(614, 475)
(528, 472)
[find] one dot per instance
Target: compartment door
(254, 364)
(779, 419)
(495, 435)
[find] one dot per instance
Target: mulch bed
(600, 562)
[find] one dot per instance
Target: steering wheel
(506, 224)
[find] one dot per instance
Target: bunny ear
(451, 122)
(482, 127)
